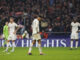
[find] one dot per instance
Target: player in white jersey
(12, 34)
(74, 33)
(36, 35)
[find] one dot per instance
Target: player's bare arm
(17, 28)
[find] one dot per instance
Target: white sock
(76, 44)
(10, 44)
(13, 46)
(7, 46)
(71, 44)
(30, 49)
(39, 46)
(3, 43)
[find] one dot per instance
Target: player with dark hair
(74, 33)
(36, 35)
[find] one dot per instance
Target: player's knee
(34, 42)
(31, 45)
(39, 42)
(39, 45)
(8, 41)
(71, 39)
(13, 41)
(77, 40)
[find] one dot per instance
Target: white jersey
(75, 27)
(12, 27)
(35, 26)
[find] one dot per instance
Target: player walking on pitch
(35, 35)
(12, 34)
(74, 33)
(5, 33)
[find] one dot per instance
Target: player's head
(6, 23)
(75, 20)
(39, 18)
(11, 19)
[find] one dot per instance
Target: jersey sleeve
(37, 26)
(79, 24)
(71, 23)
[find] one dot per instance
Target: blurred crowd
(56, 14)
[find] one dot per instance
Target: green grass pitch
(56, 53)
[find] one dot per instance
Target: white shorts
(12, 37)
(74, 36)
(36, 36)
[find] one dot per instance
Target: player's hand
(38, 32)
(77, 31)
(14, 32)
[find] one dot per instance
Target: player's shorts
(12, 37)
(5, 36)
(36, 36)
(74, 36)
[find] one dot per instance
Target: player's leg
(71, 44)
(39, 46)
(13, 45)
(8, 42)
(76, 38)
(39, 43)
(30, 48)
(13, 38)
(5, 41)
(76, 43)
(7, 47)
